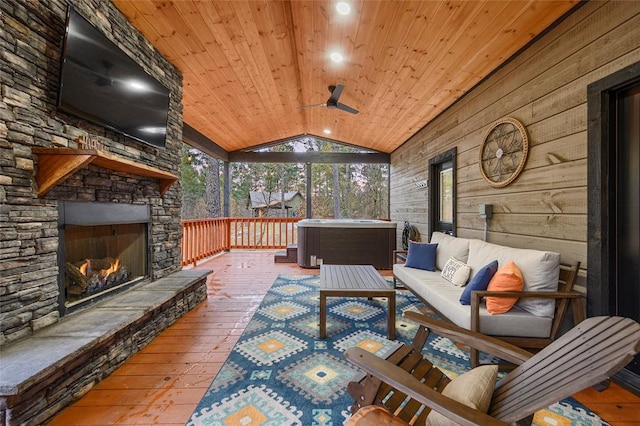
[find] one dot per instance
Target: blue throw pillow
(479, 282)
(421, 256)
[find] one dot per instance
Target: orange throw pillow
(507, 278)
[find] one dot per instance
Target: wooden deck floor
(162, 384)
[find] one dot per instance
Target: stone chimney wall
(31, 41)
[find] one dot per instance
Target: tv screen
(100, 83)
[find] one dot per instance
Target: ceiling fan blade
(335, 93)
(312, 106)
(347, 108)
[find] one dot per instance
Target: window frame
(436, 166)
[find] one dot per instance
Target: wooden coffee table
(355, 281)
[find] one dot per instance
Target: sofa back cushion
(540, 271)
(449, 246)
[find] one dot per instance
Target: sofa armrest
(476, 296)
(400, 256)
(524, 294)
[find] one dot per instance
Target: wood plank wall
(545, 87)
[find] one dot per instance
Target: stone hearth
(56, 366)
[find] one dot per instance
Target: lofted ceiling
(248, 66)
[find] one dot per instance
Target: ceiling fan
(332, 102)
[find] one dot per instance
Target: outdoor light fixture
(326, 131)
(343, 8)
(336, 57)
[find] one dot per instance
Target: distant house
(269, 204)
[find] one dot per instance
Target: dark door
(613, 276)
(626, 285)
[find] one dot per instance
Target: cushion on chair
(473, 389)
(456, 272)
(507, 278)
(374, 415)
(421, 256)
(479, 282)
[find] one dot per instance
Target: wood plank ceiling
(249, 65)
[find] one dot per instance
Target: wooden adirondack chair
(409, 386)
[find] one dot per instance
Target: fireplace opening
(101, 258)
(104, 248)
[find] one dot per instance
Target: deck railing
(202, 238)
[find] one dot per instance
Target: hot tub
(346, 242)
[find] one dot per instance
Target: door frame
(600, 198)
(600, 96)
(434, 162)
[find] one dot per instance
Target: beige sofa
(533, 322)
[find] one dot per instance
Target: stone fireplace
(92, 230)
(104, 249)
(45, 170)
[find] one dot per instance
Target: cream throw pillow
(473, 389)
(456, 272)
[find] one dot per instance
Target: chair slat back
(588, 354)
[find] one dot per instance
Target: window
(442, 192)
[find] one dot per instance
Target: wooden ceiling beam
(194, 138)
(312, 157)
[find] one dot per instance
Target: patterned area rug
(281, 373)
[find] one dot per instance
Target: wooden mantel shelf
(57, 164)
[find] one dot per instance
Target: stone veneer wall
(31, 39)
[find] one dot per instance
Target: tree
(337, 210)
(212, 192)
(192, 181)
(339, 190)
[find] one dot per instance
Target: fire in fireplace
(104, 248)
(92, 275)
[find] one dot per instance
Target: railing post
(227, 227)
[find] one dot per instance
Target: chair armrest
(404, 382)
(488, 344)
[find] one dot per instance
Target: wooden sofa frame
(564, 297)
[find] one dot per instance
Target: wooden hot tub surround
(346, 242)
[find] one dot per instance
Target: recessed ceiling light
(343, 8)
(336, 57)
(327, 131)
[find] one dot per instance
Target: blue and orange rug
(281, 373)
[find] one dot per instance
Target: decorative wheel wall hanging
(503, 152)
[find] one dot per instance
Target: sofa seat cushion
(443, 296)
(540, 271)
(449, 246)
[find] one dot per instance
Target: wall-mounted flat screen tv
(101, 84)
